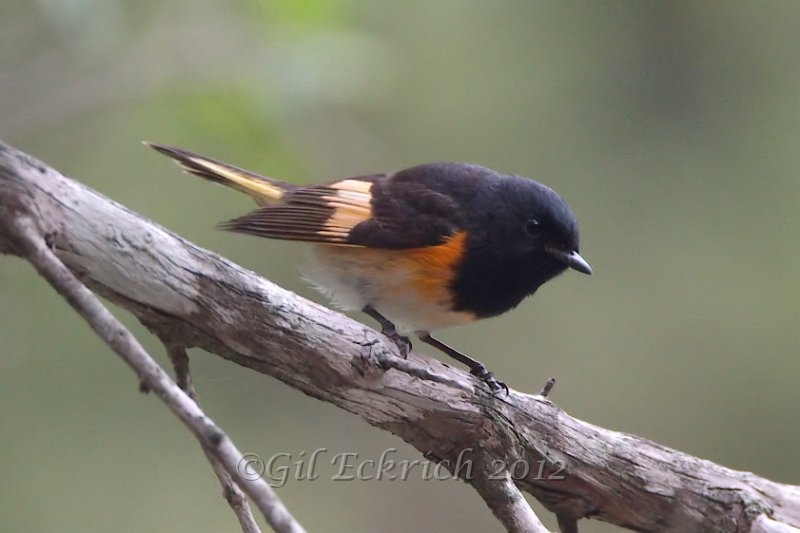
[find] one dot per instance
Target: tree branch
(191, 297)
(22, 233)
(504, 498)
(230, 490)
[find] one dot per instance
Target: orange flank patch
(411, 286)
(433, 268)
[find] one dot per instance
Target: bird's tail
(263, 190)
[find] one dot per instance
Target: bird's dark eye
(533, 227)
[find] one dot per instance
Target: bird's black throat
(488, 285)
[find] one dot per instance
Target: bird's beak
(572, 259)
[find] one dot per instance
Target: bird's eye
(533, 227)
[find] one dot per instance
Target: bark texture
(190, 297)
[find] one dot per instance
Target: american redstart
(431, 246)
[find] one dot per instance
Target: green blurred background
(671, 128)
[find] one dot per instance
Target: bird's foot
(402, 342)
(496, 386)
(389, 330)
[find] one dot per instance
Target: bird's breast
(412, 287)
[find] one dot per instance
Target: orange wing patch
(324, 214)
(351, 203)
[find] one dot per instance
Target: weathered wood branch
(191, 297)
(230, 489)
(225, 459)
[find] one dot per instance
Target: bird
(432, 246)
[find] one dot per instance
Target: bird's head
(535, 226)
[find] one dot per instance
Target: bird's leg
(388, 329)
(476, 368)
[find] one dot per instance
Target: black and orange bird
(432, 246)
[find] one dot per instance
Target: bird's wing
(374, 211)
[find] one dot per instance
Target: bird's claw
(403, 343)
(487, 377)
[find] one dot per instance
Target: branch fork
(83, 243)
